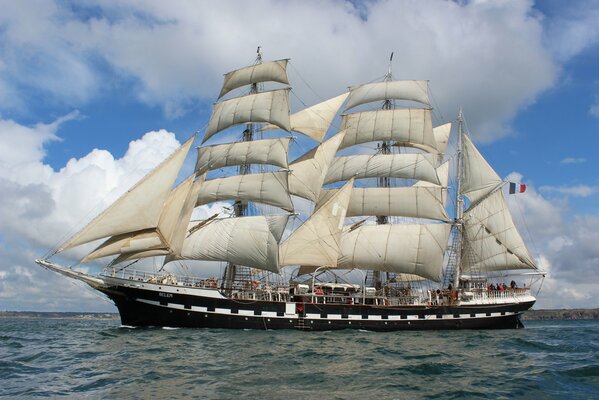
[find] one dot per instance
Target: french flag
(517, 188)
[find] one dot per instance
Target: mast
(459, 219)
(240, 207)
(383, 148)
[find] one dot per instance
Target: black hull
(142, 307)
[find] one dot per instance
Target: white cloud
(573, 160)
(176, 53)
(577, 190)
(594, 110)
(573, 29)
(30, 218)
(564, 246)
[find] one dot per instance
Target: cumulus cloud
(30, 217)
(499, 66)
(83, 187)
(564, 246)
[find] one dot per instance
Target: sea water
(101, 359)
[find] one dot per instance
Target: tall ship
(387, 223)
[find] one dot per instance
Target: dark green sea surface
(100, 359)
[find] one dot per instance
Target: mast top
(389, 75)
(259, 55)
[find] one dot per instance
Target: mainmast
(385, 146)
(459, 218)
(384, 182)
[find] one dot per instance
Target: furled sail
(251, 241)
(316, 241)
(308, 171)
(140, 207)
(491, 240)
(267, 187)
(268, 107)
(479, 179)
(315, 121)
(267, 151)
(388, 90)
(409, 166)
(413, 201)
(406, 127)
(272, 71)
(409, 249)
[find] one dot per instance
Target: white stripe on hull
(313, 316)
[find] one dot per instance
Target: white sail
(250, 241)
(308, 171)
(492, 242)
(180, 231)
(139, 208)
(267, 188)
(388, 90)
(408, 166)
(441, 134)
(479, 179)
(408, 127)
(272, 71)
(315, 121)
(139, 255)
(173, 222)
(443, 175)
(409, 249)
(267, 151)
(414, 201)
(316, 241)
(268, 107)
(128, 243)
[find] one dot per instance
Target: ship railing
(360, 298)
(507, 294)
(161, 278)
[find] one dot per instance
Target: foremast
(234, 272)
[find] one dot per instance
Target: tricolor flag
(517, 188)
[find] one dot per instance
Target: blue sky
(76, 78)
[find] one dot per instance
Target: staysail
(491, 240)
(314, 121)
(139, 208)
(316, 241)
